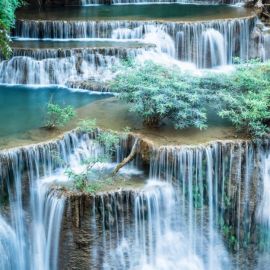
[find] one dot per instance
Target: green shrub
(7, 19)
(244, 97)
(156, 92)
(58, 116)
(109, 140)
(88, 125)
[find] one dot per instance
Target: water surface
(23, 108)
(167, 12)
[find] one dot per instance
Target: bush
(109, 140)
(58, 116)
(7, 19)
(88, 125)
(156, 92)
(244, 97)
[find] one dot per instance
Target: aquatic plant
(58, 116)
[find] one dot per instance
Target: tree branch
(127, 159)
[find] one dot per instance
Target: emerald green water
(136, 12)
(24, 108)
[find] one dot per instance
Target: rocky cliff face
(91, 224)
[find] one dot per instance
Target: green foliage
(87, 125)
(79, 179)
(7, 9)
(82, 180)
(156, 92)
(244, 97)
(92, 178)
(58, 116)
(228, 234)
(7, 18)
(126, 130)
(109, 140)
(4, 41)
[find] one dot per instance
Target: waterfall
(142, 229)
(264, 210)
(13, 175)
(53, 66)
(220, 177)
(213, 49)
(205, 44)
(265, 45)
(31, 170)
(158, 244)
(197, 210)
(35, 209)
(8, 247)
(263, 215)
(47, 216)
(199, 203)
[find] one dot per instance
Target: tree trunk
(152, 121)
(127, 159)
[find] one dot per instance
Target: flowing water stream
(179, 219)
(200, 207)
(203, 36)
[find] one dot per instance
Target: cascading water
(174, 221)
(204, 43)
(157, 242)
(54, 66)
(28, 253)
(8, 247)
(265, 45)
(200, 202)
(35, 240)
(263, 215)
(213, 49)
(158, 238)
(216, 191)
(264, 210)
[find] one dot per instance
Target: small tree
(58, 116)
(156, 92)
(92, 177)
(244, 97)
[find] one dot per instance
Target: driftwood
(127, 159)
